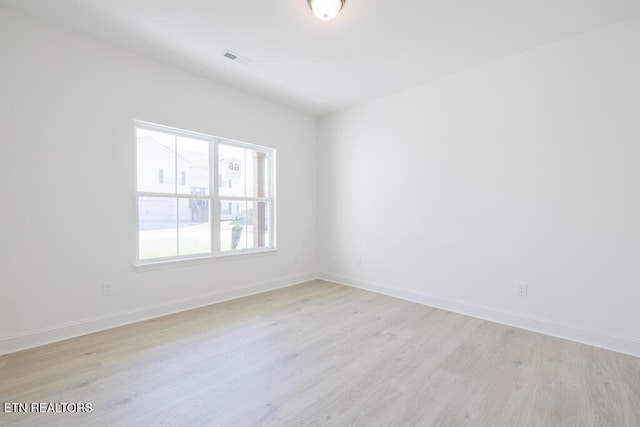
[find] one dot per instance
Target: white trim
(553, 328)
(175, 262)
(174, 196)
(272, 192)
(214, 209)
(172, 130)
(244, 199)
(596, 338)
(38, 337)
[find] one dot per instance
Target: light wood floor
(323, 354)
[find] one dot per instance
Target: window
(182, 218)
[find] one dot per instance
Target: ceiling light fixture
(326, 9)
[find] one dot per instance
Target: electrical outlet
(107, 289)
(523, 290)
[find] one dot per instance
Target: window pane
(156, 161)
(194, 226)
(157, 236)
(244, 225)
(257, 223)
(233, 224)
(231, 163)
(243, 172)
(193, 166)
(257, 173)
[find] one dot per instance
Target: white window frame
(213, 196)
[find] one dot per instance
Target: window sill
(185, 262)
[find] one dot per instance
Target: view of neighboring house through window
(179, 216)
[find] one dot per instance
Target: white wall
(526, 170)
(67, 106)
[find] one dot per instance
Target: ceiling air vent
(236, 58)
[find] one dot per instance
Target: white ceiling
(372, 48)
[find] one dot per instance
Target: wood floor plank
(323, 354)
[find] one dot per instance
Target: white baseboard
(35, 338)
(544, 326)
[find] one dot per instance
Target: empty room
(320, 213)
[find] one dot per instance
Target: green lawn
(194, 239)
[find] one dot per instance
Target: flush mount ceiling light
(326, 9)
